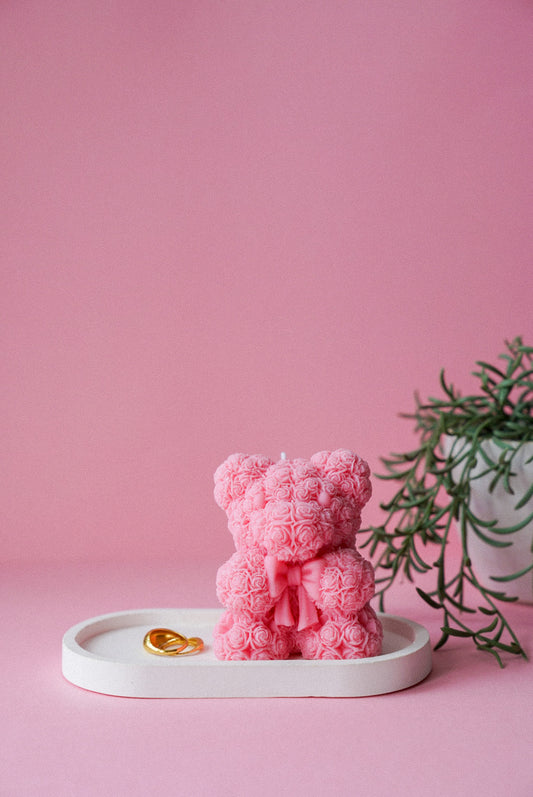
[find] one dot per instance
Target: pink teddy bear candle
(296, 583)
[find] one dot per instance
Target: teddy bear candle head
(294, 524)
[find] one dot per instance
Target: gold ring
(164, 642)
(196, 644)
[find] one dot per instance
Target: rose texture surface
(296, 584)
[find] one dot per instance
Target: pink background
(242, 226)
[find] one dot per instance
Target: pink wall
(243, 226)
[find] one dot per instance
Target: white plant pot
(488, 561)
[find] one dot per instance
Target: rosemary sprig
(431, 498)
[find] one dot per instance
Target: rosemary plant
(431, 499)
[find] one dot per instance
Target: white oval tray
(106, 655)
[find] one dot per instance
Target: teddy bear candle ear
(235, 475)
(347, 472)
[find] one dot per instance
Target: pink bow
(306, 577)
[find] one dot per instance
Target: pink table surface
(467, 729)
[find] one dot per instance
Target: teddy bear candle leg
(343, 638)
(245, 638)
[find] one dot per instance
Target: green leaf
(525, 498)
(517, 527)
(457, 632)
(428, 599)
(488, 649)
(489, 367)
(490, 540)
(484, 610)
(443, 639)
(488, 628)
(505, 579)
(459, 605)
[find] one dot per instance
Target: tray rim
(99, 673)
